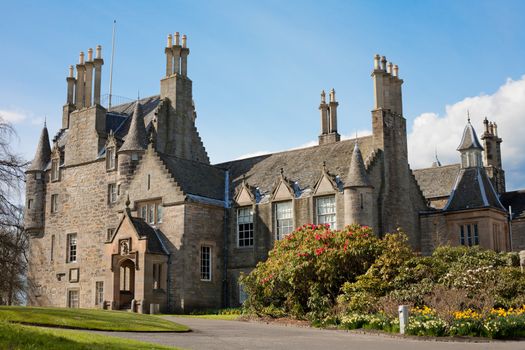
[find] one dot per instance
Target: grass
(16, 336)
(104, 320)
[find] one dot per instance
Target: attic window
(134, 156)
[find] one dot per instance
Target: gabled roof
(136, 137)
(437, 181)
(515, 199)
(473, 189)
(301, 165)
(43, 152)
(357, 176)
(469, 139)
(196, 178)
(145, 231)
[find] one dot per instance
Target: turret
(470, 148)
(135, 143)
(358, 192)
(35, 186)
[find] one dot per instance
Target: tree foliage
(13, 241)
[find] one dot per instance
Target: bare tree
(13, 240)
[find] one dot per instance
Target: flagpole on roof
(111, 64)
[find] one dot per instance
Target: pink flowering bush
(304, 272)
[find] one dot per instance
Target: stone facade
(125, 211)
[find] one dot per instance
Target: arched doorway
(127, 283)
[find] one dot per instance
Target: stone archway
(126, 283)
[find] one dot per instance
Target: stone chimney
(88, 88)
(98, 63)
(80, 86)
(329, 132)
(387, 85)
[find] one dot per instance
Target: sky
(258, 67)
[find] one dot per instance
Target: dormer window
(55, 170)
(134, 156)
(110, 158)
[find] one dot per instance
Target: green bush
(305, 271)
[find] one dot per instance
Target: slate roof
(136, 137)
(196, 178)
(154, 246)
(118, 119)
(515, 199)
(469, 139)
(304, 166)
(437, 181)
(43, 152)
(473, 189)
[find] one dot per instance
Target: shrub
(305, 271)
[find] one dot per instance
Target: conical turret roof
(136, 137)
(43, 152)
(357, 176)
(469, 139)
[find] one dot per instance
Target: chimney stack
(98, 62)
(176, 50)
(89, 79)
(70, 86)
(184, 57)
(387, 85)
(333, 112)
(169, 56)
(81, 72)
(323, 107)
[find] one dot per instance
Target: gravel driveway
(232, 335)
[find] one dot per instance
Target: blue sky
(258, 67)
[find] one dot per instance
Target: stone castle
(124, 210)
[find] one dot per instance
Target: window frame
(206, 263)
(55, 169)
(317, 200)
(144, 210)
(69, 298)
(99, 292)
(112, 193)
(276, 220)
(54, 203)
(111, 159)
(469, 234)
(72, 249)
(250, 231)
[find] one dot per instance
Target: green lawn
(16, 336)
(88, 319)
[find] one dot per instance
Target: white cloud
(506, 107)
(13, 116)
